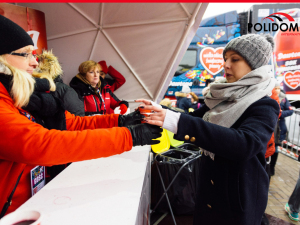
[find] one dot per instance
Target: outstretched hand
(143, 134)
(133, 118)
(157, 117)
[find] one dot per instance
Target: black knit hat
(12, 36)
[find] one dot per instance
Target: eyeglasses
(29, 56)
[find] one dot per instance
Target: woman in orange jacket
(36, 130)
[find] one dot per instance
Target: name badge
(37, 177)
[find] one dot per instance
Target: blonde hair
(22, 84)
(166, 102)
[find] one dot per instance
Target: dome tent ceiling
(144, 41)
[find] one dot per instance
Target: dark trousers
(264, 220)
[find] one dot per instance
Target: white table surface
(99, 191)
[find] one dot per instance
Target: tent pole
(101, 14)
(113, 45)
(83, 14)
(176, 53)
(128, 65)
(70, 34)
(94, 45)
(145, 23)
(186, 11)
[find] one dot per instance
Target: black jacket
(183, 102)
(233, 188)
(46, 109)
(69, 97)
(84, 90)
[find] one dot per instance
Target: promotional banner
(212, 59)
(287, 52)
(31, 20)
(209, 65)
(282, 22)
(292, 80)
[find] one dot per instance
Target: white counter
(100, 191)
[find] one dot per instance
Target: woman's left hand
(157, 117)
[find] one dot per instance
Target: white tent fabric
(143, 41)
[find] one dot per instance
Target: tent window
(188, 61)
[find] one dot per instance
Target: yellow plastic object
(173, 142)
(164, 144)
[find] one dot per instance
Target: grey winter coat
(69, 97)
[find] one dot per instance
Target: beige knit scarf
(228, 101)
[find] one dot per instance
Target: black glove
(143, 134)
(133, 118)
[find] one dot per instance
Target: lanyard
(98, 91)
(8, 202)
(29, 116)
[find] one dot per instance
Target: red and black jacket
(118, 79)
(92, 100)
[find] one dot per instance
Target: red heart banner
(292, 79)
(212, 59)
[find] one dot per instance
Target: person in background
(49, 68)
(54, 136)
(207, 84)
(182, 101)
(90, 87)
(195, 103)
(286, 110)
(232, 128)
(167, 102)
(277, 133)
(271, 148)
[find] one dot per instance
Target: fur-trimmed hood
(180, 94)
(4, 69)
(48, 66)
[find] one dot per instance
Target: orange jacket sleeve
(276, 98)
(24, 141)
(271, 144)
(91, 122)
